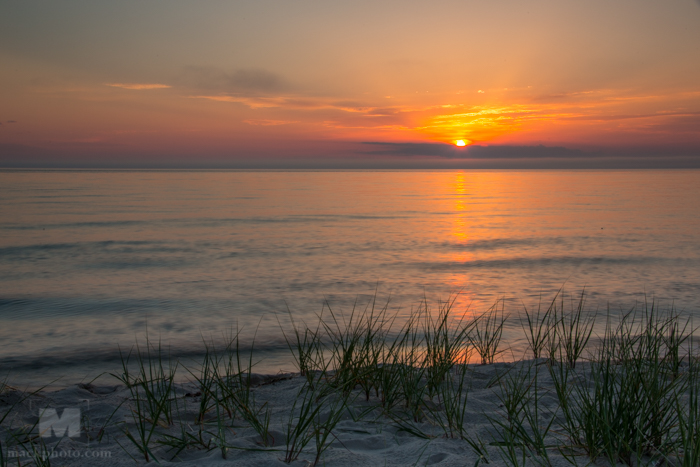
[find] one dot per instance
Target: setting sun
(460, 142)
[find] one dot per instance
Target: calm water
(90, 260)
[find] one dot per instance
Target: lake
(91, 261)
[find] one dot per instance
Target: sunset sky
(350, 84)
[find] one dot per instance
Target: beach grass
(630, 395)
(151, 390)
(627, 405)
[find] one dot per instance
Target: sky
(361, 84)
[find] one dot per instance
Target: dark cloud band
(474, 152)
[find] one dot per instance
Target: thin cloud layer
(265, 122)
(138, 86)
(474, 152)
(238, 82)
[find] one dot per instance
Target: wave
(525, 262)
(506, 243)
(501, 243)
(37, 308)
(203, 221)
(111, 245)
(106, 357)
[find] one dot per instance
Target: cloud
(12, 121)
(252, 102)
(571, 96)
(138, 86)
(475, 152)
(679, 124)
(305, 103)
(265, 122)
(524, 152)
(252, 81)
(415, 149)
(680, 116)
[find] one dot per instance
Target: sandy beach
(364, 435)
(368, 393)
(359, 430)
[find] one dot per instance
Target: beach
(365, 395)
(372, 440)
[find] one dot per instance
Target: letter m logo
(51, 424)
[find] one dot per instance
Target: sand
(371, 439)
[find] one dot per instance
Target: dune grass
(628, 403)
(629, 395)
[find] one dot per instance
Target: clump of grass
(539, 327)
(356, 346)
(206, 380)
(390, 373)
(688, 409)
(452, 400)
(525, 425)
(676, 338)
(325, 422)
(234, 384)
(487, 333)
(573, 331)
(628, 410)
(185, 436)
(306, 348)
(151, 391)
(445, 340)
(405, 370)
(226, 391)
(213, 403)
(314, 415)
(299, 431)
(411, 371)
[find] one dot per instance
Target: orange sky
(227, 83)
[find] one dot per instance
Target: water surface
(90, 260)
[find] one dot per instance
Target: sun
(460, 143)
